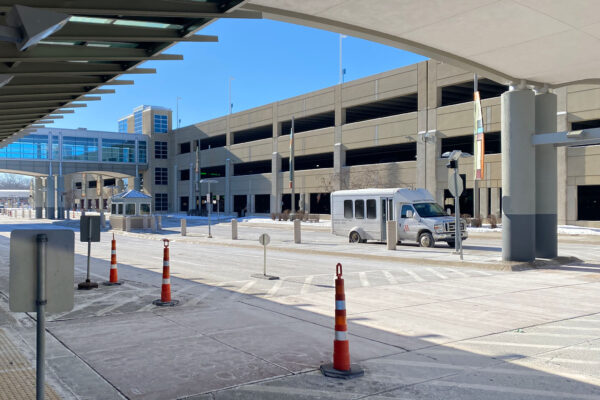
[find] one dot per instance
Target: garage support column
(339, 162)
(228, 199)
(546, 241)
(518, 175)
(50, 197)
(60, 189)
(38, 197)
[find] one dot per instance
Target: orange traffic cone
(165, 293)
(114, 277)
(341, 367)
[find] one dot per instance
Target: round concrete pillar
(546, 240)
(518, 176)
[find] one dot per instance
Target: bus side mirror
(409, 214)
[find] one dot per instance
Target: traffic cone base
(107, 283)
(355, 371)
(160, 303)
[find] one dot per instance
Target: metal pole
(209, 207)
(265, 260)
(42, 244)
(89, 251)
(292, 185)
(457, 229)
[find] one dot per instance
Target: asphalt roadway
(422, 324)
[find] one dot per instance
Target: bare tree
(12, 181)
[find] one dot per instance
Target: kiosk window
(359, 209)
(406, 208)
(348, 209)
(371, 209)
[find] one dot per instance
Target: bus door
(387, 214)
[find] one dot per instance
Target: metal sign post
(89, 231)
(457, 227)
(40, 339)
(264, 239)
(41, 279)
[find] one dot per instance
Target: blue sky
(268, 60)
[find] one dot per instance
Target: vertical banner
(479, 140)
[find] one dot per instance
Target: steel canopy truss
(102, 40)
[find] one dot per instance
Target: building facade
(385, 130)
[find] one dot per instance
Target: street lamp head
(455, 155)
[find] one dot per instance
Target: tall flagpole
(292, 168)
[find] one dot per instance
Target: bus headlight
(438, 228)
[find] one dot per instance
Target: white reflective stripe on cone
(165, 263)
(166, 281)
(340, 335)
(340, 304)
(113, 252)
(113, 266)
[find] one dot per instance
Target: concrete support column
(228, 197)
(495, 202)
(518, 175)
(120, 185)
(339, 161)
(546, 240)
(483, 203)
(38, 197)
(248, 204)
(275, 183)
(176, 201)
(100, 191)
(60, 203)
(562, 122)
(50, 197)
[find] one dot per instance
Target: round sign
(264, 239)
(452, 187)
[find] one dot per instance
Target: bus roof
(407, 194)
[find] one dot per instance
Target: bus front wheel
(354, 237)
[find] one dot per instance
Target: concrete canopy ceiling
(103, 40)
(554, 42)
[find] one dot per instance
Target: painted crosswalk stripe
(307, 284)
(439, 275)
(275, 288)
(414, 275)
(515, 390)
(363, 279)
(457, 272)
(391, 279)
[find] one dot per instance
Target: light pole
(209, 200)
(177, 112)
(453, 158)
(230, 103)
(341, 68)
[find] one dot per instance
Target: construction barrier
(114, 275)
(341, 367)
(165, 293)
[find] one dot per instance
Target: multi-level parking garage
(368, 133)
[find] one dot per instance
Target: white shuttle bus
(362, 214)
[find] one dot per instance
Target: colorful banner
(479, 139)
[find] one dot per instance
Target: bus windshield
(426, 210)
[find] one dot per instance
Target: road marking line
(570, 361)
(458, 272)
(307, 284)
(439, 275)
(413, 275)
(363, 279)
(391, 279)
(197, 299)
(506, 344)
(247, 287)
(275, 288)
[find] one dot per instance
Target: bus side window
(371, 209)
(406, 208)
(359, 209)
(348, 209)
